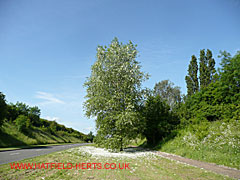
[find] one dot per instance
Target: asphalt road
(16, 155)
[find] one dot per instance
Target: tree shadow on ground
(8, 140)
(164, 140)
(36, 134)
(135, 149)
(159, 144)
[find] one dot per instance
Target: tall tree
(230, 76)
(168, 92)
(114, 93)
(3, 108)
(211, 67)
(203, 76)
(207, 68)
(192, 77)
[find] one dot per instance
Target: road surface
(16, 155)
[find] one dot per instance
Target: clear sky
(47, 47)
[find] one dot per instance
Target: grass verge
(146, 167)
(10, 137)
(216, 142)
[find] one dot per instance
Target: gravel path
(127, 153)
(233, 173)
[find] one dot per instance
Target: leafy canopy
(168, 92)
(114, 92)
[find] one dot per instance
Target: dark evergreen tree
(211, 67)
(203, 76)
(207, 68)
(192, 78)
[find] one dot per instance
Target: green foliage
(216, 142)
(168, 92)
(22, 108)
(23, 123)
(114, 93)
(210, 123)
(211, 71)
(203, 70)
(230, 77)
(3, 108)
(53, 127)
(221, 98)
(10, 136)
(34, 115)
(89, 137)
(160, 121)
(192, 78)
(207, 72)
(12, 112)
(26, 120)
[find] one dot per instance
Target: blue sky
(47, 47)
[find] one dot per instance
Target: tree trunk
(121, 147)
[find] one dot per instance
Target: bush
(160, 121)
(23, 123)
(89, 137)
(53, 127)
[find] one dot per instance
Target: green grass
(137, 142)
(10, 137)
(217, 142)
(150, 167)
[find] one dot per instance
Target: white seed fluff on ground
(128, 153)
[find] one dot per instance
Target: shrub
(22, 123)
(160, 121)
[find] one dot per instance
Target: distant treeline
(25, 118)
